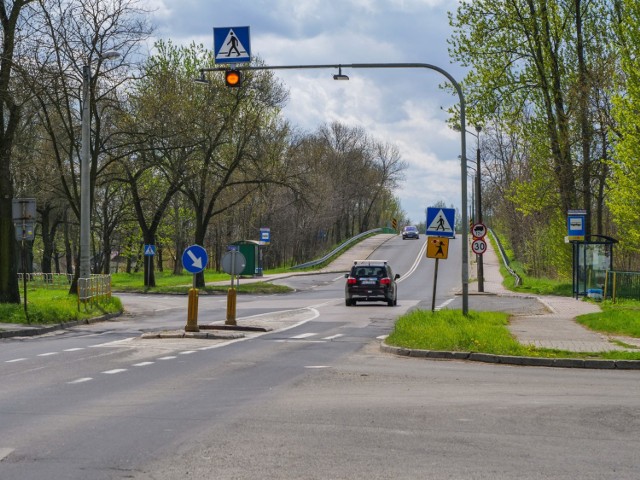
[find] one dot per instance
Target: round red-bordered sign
(479, 230)
(479, 246)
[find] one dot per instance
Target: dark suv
(371, 280)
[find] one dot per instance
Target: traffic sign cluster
(479, 246)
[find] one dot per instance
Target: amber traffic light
(233, 78)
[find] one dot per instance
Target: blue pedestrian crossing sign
(149, 250)
(441, 222)
(194, 259)
(232, 45)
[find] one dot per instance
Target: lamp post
(85, 168)
(478, 202)
(479, 209)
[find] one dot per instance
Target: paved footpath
(557, 328)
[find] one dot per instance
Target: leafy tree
(624, 200)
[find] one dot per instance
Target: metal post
(479, 210)
(85, 177)
(85, 168)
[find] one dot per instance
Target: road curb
(32, 331)
(200, 335)
(512, 360)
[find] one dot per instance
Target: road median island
(247, 327)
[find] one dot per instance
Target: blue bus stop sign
(194, 259)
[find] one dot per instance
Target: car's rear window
(369, 272)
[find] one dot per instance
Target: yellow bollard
(192, 312)
(231, 307)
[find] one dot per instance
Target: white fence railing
(95, 288)
(46, 280)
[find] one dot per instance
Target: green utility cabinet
(252, 251)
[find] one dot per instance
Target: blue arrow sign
(441, 222)
(232, 45)
(194, 259)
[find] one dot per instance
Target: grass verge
(55, 306)
(481, 332)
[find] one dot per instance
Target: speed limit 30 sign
(479, 246)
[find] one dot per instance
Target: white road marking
(4, 452)
(444, 304)
(143, 364)
(303, 335)
(114, 343)
(297, 340)
(115, 370)
(170, 357)
(382, 337)
(187, 352)
(332, 337)
(73, 349)
(415, 264)
(48, 354)
(15, 360)
(317, 366)
(80, 380)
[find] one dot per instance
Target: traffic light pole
(463, 162)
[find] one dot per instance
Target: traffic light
(233, 78)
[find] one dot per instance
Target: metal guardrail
(342, 246)
(505, 260)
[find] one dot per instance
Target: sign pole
(231, 294)
(435, 283)
(194, 260)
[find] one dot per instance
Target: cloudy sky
(405, 107)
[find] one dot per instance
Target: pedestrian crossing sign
(149, 250)
(441, 222)
(232, 45)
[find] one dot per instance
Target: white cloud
(404, 107)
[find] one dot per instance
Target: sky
(405, 107)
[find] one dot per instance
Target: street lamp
(85, 177)
(478, 206)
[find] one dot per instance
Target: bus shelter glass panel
(592, 259)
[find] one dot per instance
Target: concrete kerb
(34, 330)
(511, 360)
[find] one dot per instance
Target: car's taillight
(351, 281)
(385, 281)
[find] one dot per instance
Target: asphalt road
(314, 398)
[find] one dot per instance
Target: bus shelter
(592, 258)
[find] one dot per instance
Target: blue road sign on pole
(149, 250)
(194, 259)
(577, 224)
(232, 45)
(265, 235)
(441, 222)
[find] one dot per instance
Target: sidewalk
(556, 329)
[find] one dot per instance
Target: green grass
(621, 318)
(479, 332)
(167, 282)
(451, 331)
(49, 306)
